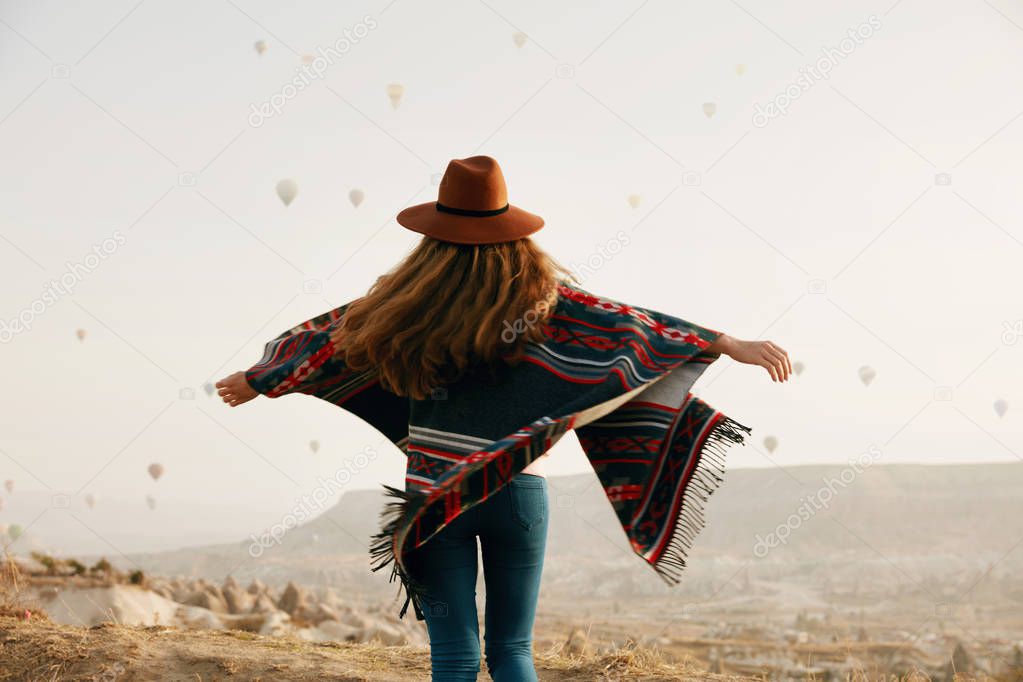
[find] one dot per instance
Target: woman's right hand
(235, 390)
(766, 354)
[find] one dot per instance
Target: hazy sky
(826, 230)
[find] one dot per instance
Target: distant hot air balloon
(867, 374)
(740, 69)
(395, 91)
(209, 388)
(9, 485)
(356, 196)
(519, 38)
(307, 59)
(314, 445)
(260, 46)
(770, 442)
(287, 190)
(80, 333)
(634, 200)
(709, 108)
(150, 502)
(798, 367)
(90, 500)
(156, 470)
(14, 531)
(1001, 407)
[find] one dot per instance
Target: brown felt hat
(472, 207)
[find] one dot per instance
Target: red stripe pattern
(657, 457)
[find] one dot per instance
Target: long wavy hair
(447, 308)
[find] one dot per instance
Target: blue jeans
(512, 529)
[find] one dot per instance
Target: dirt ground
(41, 650)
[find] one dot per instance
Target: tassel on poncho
(619, 375)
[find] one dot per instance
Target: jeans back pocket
(528, 500)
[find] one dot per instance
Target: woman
(474, 355)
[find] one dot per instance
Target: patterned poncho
(618, 374)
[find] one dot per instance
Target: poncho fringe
(707, 477)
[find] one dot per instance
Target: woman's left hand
(766, 354)
(235, 389)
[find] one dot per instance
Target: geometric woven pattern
(617, 373)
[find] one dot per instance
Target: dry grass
(13, 600)
(43, 650)
(630, 662)
(38, 649)
(35, 648)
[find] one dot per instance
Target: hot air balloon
(1001, 407)
(9, 485)
(740, 69)
(867, 374)
(260, 46)
(519, 38)
(308, 59)
(798, 367)
(80, 333)
(356, 196)
(156, 470)
(150, 502)
(287, 190)
(709, 108)
(209, 388)
(314, 445)
(90, 500)
(634, 200)
(14, 531)
(770, 442)
(395, 92)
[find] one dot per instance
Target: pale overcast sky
(877, 222)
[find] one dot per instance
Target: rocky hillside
(73, 594)
(930, 522)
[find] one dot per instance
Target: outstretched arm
(235, 390)
(766, 354)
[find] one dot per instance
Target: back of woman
(474, 355)
(446, 327)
